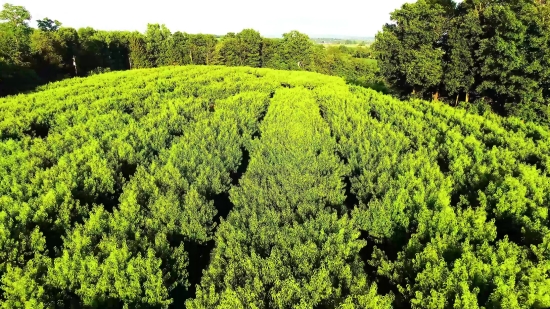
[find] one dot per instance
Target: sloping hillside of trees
(481, 55)
(220, 187)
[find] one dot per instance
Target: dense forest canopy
(494, 52)
(218, 187)
(173, 170)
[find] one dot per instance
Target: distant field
(347, 45)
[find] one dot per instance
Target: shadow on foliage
(391, 247)
(223, 205)
(38, 130)
(199, 258)
(376, 86)
(54, 239)
(351, 200)
(17, 79)
(235, 176)
(199, 253)
(109, 200)
(128, 169)
(222, 202)
(535, 161)
(507, 226)
(443, 164)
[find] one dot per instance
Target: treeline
(496, 53)
(30, 57)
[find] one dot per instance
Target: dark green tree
(514, 56)
(202, 48)
(16, 73)
(409, 49)
(47, 24)
(227, 51)
(296, 51)
(93, 51)
(461, 66)
(72, 42)
(249, 47)
(138, 52)
(157, 39)
(48, 50)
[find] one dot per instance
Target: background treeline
(30, 57)
(495, 53)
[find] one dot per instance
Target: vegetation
(179, 170)
(344, 41)
(219, 187)
(31, 57)
(493, 52)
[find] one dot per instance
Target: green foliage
(53, 52)
(47, 24)
(456, 204)
(242, 49)
(138, 57)
(156, 44)
(15, 35)
(406, 52)
(16, 16)
(295, 50)
(217, 187)
(494, 52)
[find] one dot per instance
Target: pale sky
(271, 18)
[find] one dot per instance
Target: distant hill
(349, 40)
(330, 37)
(343, 37)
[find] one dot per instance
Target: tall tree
(138, 52)
(48, 50)
(296, 50)
(227, 51)
(409, 49)
(249, 44)
(70, 37)
(15, 35)
(461, 65)
(157, 41)
(514, 56)
(16, 73)
(271, 57)
(202, 48)
(181, 50)
(92, 52)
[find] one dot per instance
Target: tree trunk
(456, 103)
(467, 97)
(435, 96)
(75, 67)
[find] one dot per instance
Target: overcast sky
(314, 17)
